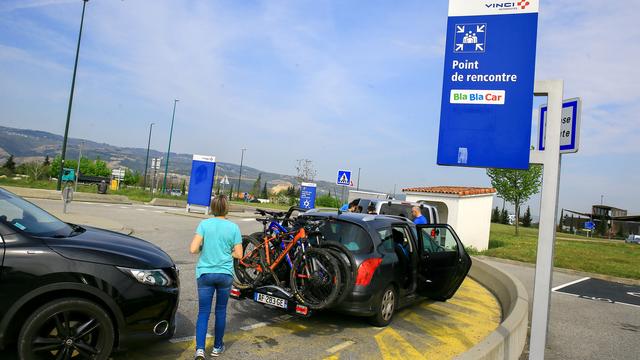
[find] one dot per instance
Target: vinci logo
(477, 97)
(512, 5)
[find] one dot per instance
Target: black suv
(396, 263)
(72, 292)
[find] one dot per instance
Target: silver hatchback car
(633, 239)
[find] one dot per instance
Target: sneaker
(217, 351)
(199, 355)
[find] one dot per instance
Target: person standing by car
(418, 218)
(218, 241)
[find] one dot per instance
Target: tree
(231, 192)
(571, 224)
(101, 168)
(265, 193)
(46, 162)
(35, 170)
(130, 177)
(601, 226)
(10, 164)
(516, 186)
(504, 217)
(255, 190)
(306, 172)
(526, 219)
(495, 215)
(328, 201)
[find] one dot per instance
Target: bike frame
(285, 253)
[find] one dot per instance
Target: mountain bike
(314, 274)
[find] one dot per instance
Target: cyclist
(218, 241)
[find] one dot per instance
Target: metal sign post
(550, 160)
(67, 197)
(344, 180)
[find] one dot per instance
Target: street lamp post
(240, 176)
(78, 167)
(73, 83)
(166, 164)
(358, 184)
(146, 162)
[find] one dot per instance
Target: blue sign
(344, 178)
(569, 127)
(203, 169)
(487, 92)
(307, 195)
(589, 225)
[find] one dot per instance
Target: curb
(44, 194)
(626, 281)
(508, 340)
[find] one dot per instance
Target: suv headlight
(156, 277)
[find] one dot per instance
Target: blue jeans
(208, 285)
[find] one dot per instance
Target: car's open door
(443, 261)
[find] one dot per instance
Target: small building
(466, 209)
(607, 212)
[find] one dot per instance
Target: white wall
(470, 216)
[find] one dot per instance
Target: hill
(29, 145)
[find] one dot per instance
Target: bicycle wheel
(347, 257)
(346, 277)
(249, 271)
(315, 278)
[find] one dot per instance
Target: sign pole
(550, 159)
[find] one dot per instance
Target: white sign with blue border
(308, 195)
(487, 93)
(344, 178)
(569, 128)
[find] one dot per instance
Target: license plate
(271, 300)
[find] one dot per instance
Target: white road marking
(340, 347)
(610, 301)
(124, 207)
(278, 319)
(185, 338)
(107, 205)
(141, 209)
(158, 212)
(247, 220)
(254, 326)
(570, 283)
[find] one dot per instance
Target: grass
(607, 257)
(134, 194)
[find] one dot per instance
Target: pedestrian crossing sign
(344, 178)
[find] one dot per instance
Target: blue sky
(346, 84)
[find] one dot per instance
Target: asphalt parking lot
(428, 329)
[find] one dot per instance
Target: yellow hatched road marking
(431, 330)
(393, 346)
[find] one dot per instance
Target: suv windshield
(24, 216)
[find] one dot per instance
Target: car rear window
(352, 236)
(403, 210)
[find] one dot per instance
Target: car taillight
(302, 310)
(235, 293)
(366, 270)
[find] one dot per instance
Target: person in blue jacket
(418, 218)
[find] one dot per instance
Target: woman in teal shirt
(218, 241)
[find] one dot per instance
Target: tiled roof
(454, 190)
